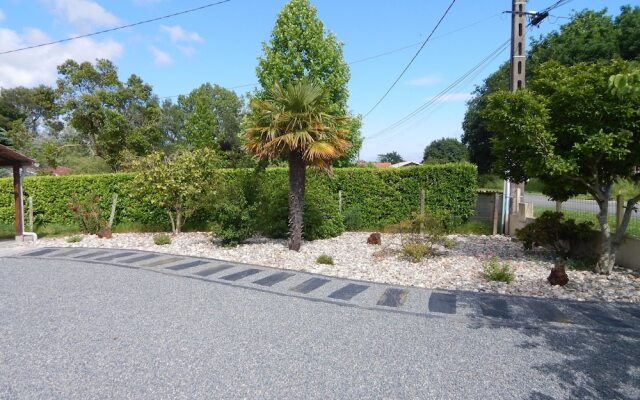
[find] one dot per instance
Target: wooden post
(340, 201)
(114, 203)
(422, 211)
(496, 212)
(17, 195)
(619, 210)
(30, 201)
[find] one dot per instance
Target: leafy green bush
(493, 271)
(74, 239)
(85, 209)
(234, 209)
(162, 239)
(551, 231)
(324, 259)
(353, 219)
(416, 251)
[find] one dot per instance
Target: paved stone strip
(495, 308)
(348, 292)
(140, 258)
(393, 297)
(68, 252)
(214, 270)
(165, 261)
(191, 264)
(112, 257)
(90, 255)
(274, 278)
(599, 315)
(39, 252)
(444, 303)
(242, 274)
(547, 312)
(309, 285)
(633, 311)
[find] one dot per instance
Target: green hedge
(377, 197)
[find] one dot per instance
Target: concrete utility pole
(512, 191)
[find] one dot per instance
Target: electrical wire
(116, 28)
(412, 59)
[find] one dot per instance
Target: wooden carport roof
(11, 158)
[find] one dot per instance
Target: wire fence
(586, 210)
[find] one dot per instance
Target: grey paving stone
(599, 315)
(112, 257)
(39, 252)
(309, 285)
(393, 297)
(547, 312)
(631, 310)
(68, 252)
(187, 265)
(495, 308)
(140, 258)
(90, 255)
(348, 292)
(165, 261)
(242, 274)
(444, 303)
(214, 270)
(274, 278)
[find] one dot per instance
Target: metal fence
(586, 210)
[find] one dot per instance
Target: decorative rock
(106, 233)
(374, 238)
(558, 276)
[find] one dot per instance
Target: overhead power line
(412, 59)
(116, 28)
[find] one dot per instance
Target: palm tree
(294, 121)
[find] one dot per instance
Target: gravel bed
(459, 267)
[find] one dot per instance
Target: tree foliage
(300, 48)
(393, 157)
(574, 134)
(445, 150)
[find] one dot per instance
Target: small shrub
(74, 239)
(324, 259)
(85, 208)
(551, 231)
(234, 210)
(415, 251)
(353, 219)
(581, 264)
(449, 243)
(493, 271)
(162, 239)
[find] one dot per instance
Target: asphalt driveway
(79, 329)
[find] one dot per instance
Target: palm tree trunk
(296, 199)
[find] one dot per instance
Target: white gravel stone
(457, 268)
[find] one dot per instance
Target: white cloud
(2, 16)
(424, 81)
(35, 66)
(160, 58)
(84, 14)
(177, 34)
(453, 97)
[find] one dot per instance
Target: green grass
(473, 228)
(494, 271)
(324, 259)
(632, 230)
(162, 239)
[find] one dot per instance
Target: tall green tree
(301, 48)
(111, 116)
(445, 150)
(393, 157)
(295, 122)
(550, 132)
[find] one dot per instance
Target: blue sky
(221, 45)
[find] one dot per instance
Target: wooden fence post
(340, 201)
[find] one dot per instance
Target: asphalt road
(590, 206)
(79, 330)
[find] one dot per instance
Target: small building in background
(405, 164)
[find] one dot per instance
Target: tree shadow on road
(591, 364)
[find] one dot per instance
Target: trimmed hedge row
(371, 197)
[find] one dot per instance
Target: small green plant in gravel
(449, 243)
(415, 251)
(324, 259)
(493, 271)
(162, 239)
(74, 239)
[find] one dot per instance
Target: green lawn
(579, 216)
